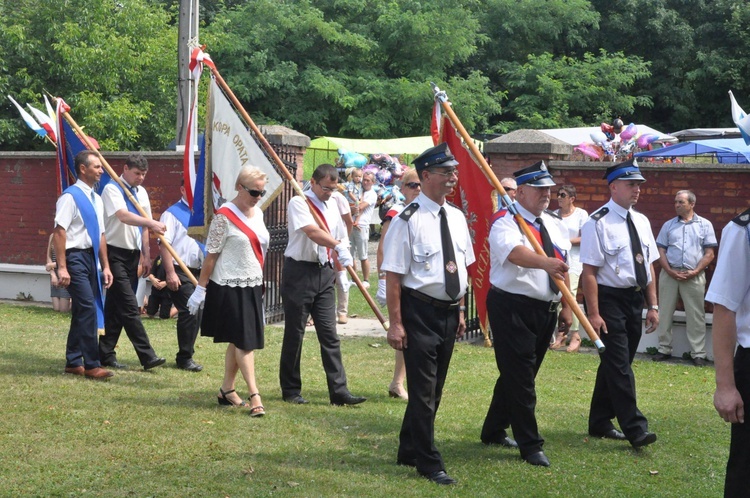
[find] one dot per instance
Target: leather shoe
(505, 441)
(98, 373)
(75, 370)
(296, 399)
(661, 357)
(538, 458)
(190, 366)
(643, 439)
(115, 364)
(154, 362)
(439, 477)
(348, 399)
(610, 434)
(700, 362)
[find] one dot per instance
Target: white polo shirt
(120, 234)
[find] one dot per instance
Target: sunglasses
(413, 184)
(448, 173)
(562, 195)
(253, 192)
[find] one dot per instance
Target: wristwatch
(462, 308)
(654, 307)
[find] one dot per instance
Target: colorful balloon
(384, 176)
(598, 137)
(629, 132)
(349, 159)
(371, 168)
(645, 140)
(589, 150)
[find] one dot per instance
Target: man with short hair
(307, 287)
(522, 308)
(126, 246)
(617, 252)
(80, 245)
(427, 250)
(177, 219)
(686, 247)
(510, 186)
(361, 233)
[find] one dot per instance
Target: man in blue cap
(617, 252)
(426, 252)
(522, 307)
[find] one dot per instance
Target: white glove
(196, 300)
(380, 296)
(344, 281)
(345, 257)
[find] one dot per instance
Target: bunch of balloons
(386, 170)
(603, 141)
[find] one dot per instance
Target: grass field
(161, 433)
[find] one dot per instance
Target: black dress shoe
(190, 366)
(439, 477)
(643, 439)
(505, 441)
(610, 434)
(348, 399)
(154, 362)
(538, 458)
(115, 364)
(661, 357)
(296, 399)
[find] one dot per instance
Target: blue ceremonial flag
(198, 216)
(68, 145)
(741, 119)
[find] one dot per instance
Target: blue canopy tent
(725, 150)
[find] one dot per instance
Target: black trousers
(738, 465)
(187, 324)
(614, 389)
(430, 334)
(308, 289)
(82, 344)
(521, 329)
(121, 308)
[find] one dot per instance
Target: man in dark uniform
(730, 293)
(426, 252)
(617, 252)
(522, 306)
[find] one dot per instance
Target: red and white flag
(47, 123)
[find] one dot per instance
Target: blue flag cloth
(88, 214)
(181, 211)
(198, 216)
(68, 146)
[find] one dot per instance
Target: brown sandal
(257, 411)
(575, 343)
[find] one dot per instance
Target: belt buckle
(553, 306)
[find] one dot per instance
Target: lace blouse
(236, 265)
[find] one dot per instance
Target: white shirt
(300, 247)
(605, 243)
(184, 245)
(506, 235)
(365, 216)
(413, 248)
(69, 218)
(237, 265)
(730, 285)
(573, 224)
(120, 234)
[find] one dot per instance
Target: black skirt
(234, 315)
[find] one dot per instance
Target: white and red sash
(234, 215)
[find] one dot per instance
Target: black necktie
(638, 259)
(549, 250)
(452, 285)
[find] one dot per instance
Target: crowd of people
(99, 242)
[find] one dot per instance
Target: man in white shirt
(361, 232)
(79, 231)
(126, 246)
(177, 219)
(307, 287)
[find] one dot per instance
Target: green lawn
(161, 433)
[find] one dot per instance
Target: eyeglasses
(413, 184)
(562, 195)
(448, 173)
(327, 189)
(508, 189)
(253, 192)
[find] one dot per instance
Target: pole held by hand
(442, 98)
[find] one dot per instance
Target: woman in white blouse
(231, 282)
(573, 219)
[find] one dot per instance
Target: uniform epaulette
(553, 214)
(409, 211)
(743, 219)
(600, 214)
(451, 204)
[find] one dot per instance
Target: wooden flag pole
(298, 190)
(441, 97)
(115, 177)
